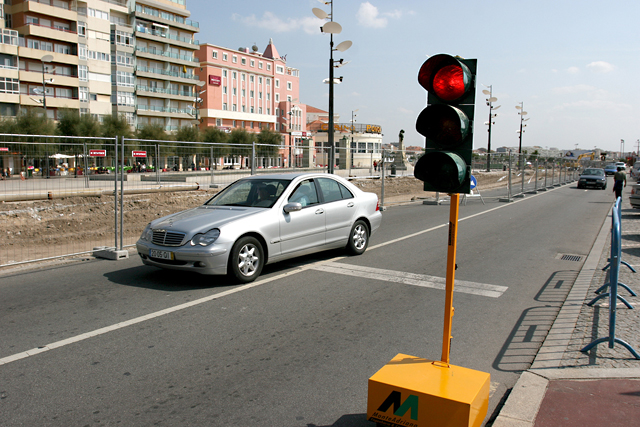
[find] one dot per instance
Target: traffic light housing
(447, 123)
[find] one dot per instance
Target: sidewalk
(565, 387)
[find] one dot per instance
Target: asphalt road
(99, 342)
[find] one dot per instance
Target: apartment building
(134, 58)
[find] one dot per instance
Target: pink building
(252, 90)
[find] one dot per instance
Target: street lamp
(45, 60)
(332, 28)
(490, 102)
(522, 113)
(198, 101)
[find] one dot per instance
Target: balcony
(149, 13)
(162, 92)
(162, 35)
(152, 51)
(184, 77)
(49, 32)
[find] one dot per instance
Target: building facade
(99, 57)
(247, 89)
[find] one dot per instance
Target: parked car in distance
(610, 169)
(622, 165)
(634, 196)
(635, 171)
(593, 177)
(260, 220)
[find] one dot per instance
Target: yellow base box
(413, 392)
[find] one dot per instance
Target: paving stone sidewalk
(593, 322)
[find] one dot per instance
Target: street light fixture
(332, 28)
(45, 60)
(198, 101)
(490, 102)
(522, 113)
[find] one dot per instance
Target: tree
(240, 141)
(31, 121)
(218, 138)
(189, 152)
(269, 143)
(116, 126)
(153, 131)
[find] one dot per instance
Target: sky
(572, 64)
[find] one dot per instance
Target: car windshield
(596, 172)
(261, 193)
(610, 167)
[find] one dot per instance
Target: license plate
(154, 253)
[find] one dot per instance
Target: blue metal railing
(614, 269)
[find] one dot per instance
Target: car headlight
(147, 234)
(206, 239)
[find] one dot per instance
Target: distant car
(622, 165)
(610, 169)
(634, 196)
(593, 177)
(263, 219)
(635, 171)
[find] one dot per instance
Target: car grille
(167, 238)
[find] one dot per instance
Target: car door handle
(350, 204)
(319, 211)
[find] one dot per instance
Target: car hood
(203, 218)
(593, 177)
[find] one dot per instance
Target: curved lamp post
(492, 116)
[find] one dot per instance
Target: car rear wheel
(246, 259)
(359, 238)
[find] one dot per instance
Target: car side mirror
(292, 207)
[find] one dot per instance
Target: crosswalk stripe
(423, 280)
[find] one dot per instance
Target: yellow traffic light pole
(451, 272)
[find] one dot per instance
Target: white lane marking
(169, 310)
(423, 280)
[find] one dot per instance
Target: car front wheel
(359, 238)
(246, 259)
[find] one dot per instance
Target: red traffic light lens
(448, 83)
(445, 77)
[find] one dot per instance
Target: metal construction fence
(65, 196)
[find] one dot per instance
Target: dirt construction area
(48, 228)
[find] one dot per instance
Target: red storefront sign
(97, 153)
(139, 154)
(215, 80)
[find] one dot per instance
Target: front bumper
(595, 183)
(199, 260)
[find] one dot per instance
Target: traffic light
(447, 123)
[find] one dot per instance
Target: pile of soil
(44, 228)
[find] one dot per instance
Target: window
(218, 122)
(82, 51)
(305, 194)
(224, 106)
(244, 77)
(279, 69)
(333, 190)
(289, 86)
(234, 59)
(253, 63)
(251, 94)
(252, 79)
(224, 73)
(214, 54)
(121, 58)
(126, 99)
(234, 75)
(234, 107)
(243, 61)
(61, 48)
(124, 39)
(62, 92)
(224, 56)
(8, 85)
(97, 13)
(82, 29)
(83, 73)
(277, 83)
(268, 67)
(83, 94)
(125, 79)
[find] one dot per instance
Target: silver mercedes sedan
(260, 220)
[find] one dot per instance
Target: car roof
(290, 176)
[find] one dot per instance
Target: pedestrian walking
(375, 166)
(620, 181)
